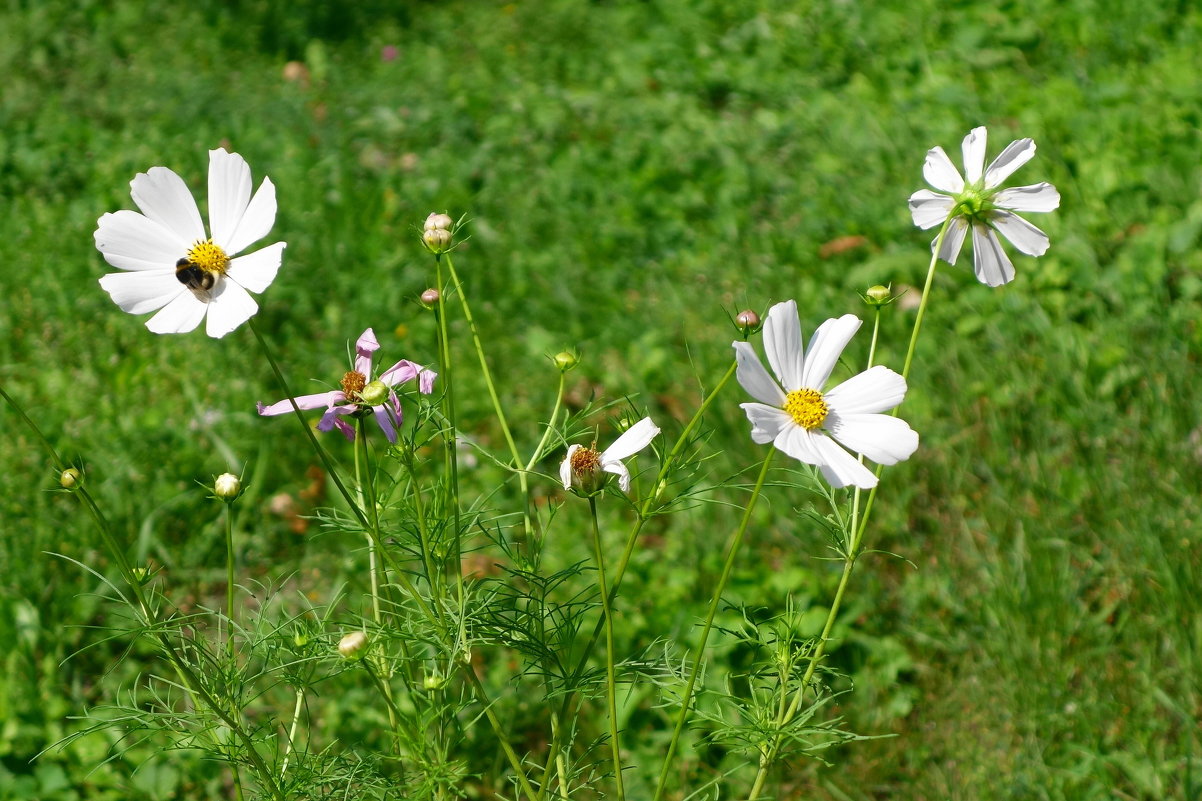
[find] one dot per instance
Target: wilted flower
(360, 394)
(584, 469)
(977, 201)
(173, 266)
(800, 419)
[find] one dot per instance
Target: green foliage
(633, 171)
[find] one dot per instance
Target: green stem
(926, 293)
(296, 711)
(451, 438)
(698, 654)
(611, 680)
(229, 574)
(367, 499)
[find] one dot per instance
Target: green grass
(633, 171)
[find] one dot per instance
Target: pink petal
(316, 401)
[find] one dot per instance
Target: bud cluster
(438, 233)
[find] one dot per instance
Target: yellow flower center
(585, 461)
(209, 257)
(806, 407)
(353, 383)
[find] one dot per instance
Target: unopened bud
(437, 240)
(878, 296)
(352, 645)
(747, 321)
(430, 298)
(141, 574)
(438, 222)
(374, 393)
(227, 486)
(70, 478)
(566, 360)
(300, 639)
(433, 681)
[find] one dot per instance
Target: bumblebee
(194, 276)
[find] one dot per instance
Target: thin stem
(926, 293)
(611, 681)
(367, 499)
(229, 574)
(731, 552)
(451, 438)
(296, 711)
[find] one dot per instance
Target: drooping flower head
(584, 469)
(976, 201)
(173, 266)
(799, 418)
(360, 394)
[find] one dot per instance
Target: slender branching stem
(611, 681)
(699, 653)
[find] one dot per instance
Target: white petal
(1022, 234)
(565, 467)
(882, 438)
(142, 291)
(131, 241)
(940, 173)
(1036, 197)
(782, 344)
(164, 197)
(179, 316)
(973, 150)
(633, 440)
(255, 271)
(766, 421)
(618, 469)
(795, 441)
(877, 389)
(838, 466)
(826, 346)
(256, 220)
(229, 192)
(989, 261)
(953, 240)
(754, 378)
(229, 308)
(1016, 154)
(929, 208)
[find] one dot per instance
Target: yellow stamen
(353, 383)
(209, 257)
(585, 461)
(806, 407)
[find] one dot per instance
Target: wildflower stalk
(401, 576)
(699, 653)
(229, 575)
(859, 523)
(523, 480)
(451, 439)
(296, 711)
(190, 681)
(611, 681)
(367, 499)
(644, 514)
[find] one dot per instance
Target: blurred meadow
(1030, 625)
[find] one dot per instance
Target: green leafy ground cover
(633, 171)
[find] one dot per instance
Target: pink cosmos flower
(359, 393)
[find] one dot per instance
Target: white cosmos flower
(170, 263)
(976, 201)
(796, 416)
(584, 468)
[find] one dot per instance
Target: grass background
(634, 171)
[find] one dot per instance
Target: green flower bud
(878, 296)
(70, 478)
(433, 681)
(437, 240)
(141, 574)
(374, 393)
(565, 360)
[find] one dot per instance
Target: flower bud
(565, 360)
(300, 639)
(433, 681)
(878, 296)
(227, 487)
(351, 645)
(439, 222)
(70, 478)
(747, 321)
(430, 298)
(374, 393)
(141, 574)
(437, 240)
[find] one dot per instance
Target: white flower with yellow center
(584, 469)
(171, 264)
(799, 418)
(977, 201)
